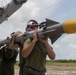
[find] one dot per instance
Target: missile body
(68, 27)
(53, 31)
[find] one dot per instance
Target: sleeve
(0, 53)
(9, 53)
(51, 47)
(27, 42)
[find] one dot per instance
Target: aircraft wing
(10, 8)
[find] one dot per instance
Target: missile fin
(54, 37)
(51, 22)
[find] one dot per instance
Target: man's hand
(45, 40)
(16, 33)
(35, 35)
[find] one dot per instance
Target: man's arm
(27, 49)
(49, 49)
(9, 53)
(12, 44)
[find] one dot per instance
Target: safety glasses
(32, 26)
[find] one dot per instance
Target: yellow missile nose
(69, 26)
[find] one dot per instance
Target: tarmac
(51, 71)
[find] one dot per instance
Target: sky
(39, 10)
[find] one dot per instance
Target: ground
(57, 69)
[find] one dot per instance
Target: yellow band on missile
(69, 26)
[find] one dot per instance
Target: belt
(32, 71)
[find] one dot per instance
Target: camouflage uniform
(22, 60)
(0, 63)
(8, 60)
(35, 62)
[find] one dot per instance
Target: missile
(53, 30)
(10, 8)
(57, 30)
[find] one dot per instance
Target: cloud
(31, 10)
(65, 47)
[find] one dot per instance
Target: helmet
(32, 24)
